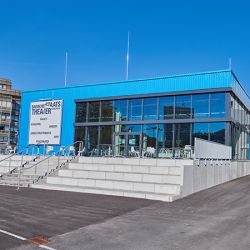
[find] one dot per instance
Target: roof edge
(135, 80)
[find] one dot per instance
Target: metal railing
(109, 150)
(68, 151)
(9, 157)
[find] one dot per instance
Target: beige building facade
(9, 115)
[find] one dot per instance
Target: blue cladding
(208, 80)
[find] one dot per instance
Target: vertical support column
(9, 164)
(19, 172)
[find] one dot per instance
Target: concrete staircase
(157, 179)
(29, 173)
(9, 165)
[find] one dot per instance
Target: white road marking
(13, 235)
(46, 247)
(22, 238)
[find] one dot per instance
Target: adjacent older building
(9, 115)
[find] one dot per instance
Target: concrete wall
(207, 174)
(204, 149)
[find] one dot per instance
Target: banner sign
(45, 122)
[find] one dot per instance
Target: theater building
(156, 117)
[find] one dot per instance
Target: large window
(183, 107)
(217, 132)
(94, 110)
(217, 105)
(106, 137)
(135, 109)
(80, 135)
(107, 111)
(120, 110)
(165, 136)
(149, 140)
(166, 107)
(150, 108)
(92, 140)
(131, 128)
(182, 135)
(200, 130)
(201, 106)
(81, 112)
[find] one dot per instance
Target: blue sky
(167, 37)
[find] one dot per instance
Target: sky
(167, 37)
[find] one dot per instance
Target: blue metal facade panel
(220, 79)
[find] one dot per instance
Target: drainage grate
(38, 240)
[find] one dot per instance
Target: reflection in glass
(201, 106)
(135, 109)
(120, 110)
(120, 145)
(134, 145)
(150, 108)
(81, 111)
(183, 107)
(166, 107)
(130, 128)
(217, 132)
(149, 140)
(200, 130)
(182, 135)
(94, 108)
(106, 136)
(107, 111)
(80, 134)
(165, 140)
(92, 140)
(217, 105)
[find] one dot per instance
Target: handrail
(58, 154)
(10, 156)
(22, 168)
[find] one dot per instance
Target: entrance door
(127, 144)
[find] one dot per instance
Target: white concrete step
(116, 185)
(4, 170)
(136, 161)
(121, 176)
(174, 170)
(12, 163)
(143, 195)
(17, 157)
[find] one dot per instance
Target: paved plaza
(217, 218)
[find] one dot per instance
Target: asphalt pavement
(214, 219)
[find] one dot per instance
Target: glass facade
(93, 111)
(166, 107)
(201, 106)
(200, 130)
(120, 110)
(153, 126)
(135, 109)
(150, 108)
(240, 127)
(217, 105)
(106, 111)
(183, 107)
